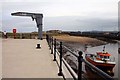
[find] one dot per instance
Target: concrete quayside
(21, 59)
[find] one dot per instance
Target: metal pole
(14, 35)
(60, 67)
(54, 50)
(51, 45)
(47, 37)
(38, 19)
(80, 65)
(40, 32)
(50, 42)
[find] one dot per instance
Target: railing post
(51, 45)
(54, 50)
(50, 42)
(47, 37)
(80, 65)
(60, 67)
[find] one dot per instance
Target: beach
(81, 40)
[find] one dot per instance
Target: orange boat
(102, 60)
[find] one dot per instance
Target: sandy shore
(81, 40)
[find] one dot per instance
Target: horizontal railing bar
(57, 42)
(74, 75)
(57, 63)
(68, 67)
(70, 51)
(58, 52)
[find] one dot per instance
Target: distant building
(54, 31)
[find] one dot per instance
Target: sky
(66, 15)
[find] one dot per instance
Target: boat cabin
(103, 56)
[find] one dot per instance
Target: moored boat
(102, 60)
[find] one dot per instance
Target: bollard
(60, 67)
(80, 65)
(52, 45)
(38, 46)
(54, 50)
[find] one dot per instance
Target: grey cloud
(71, 23)
(80, 23)
(70, 15)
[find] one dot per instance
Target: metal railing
(76, 76)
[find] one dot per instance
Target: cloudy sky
(66, 15)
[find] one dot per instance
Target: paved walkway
(21, 59)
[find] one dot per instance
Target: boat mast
(104, 49)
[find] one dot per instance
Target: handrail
(70, 51)
(74, 75)
(52, 43)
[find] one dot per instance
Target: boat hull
(103, 66)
